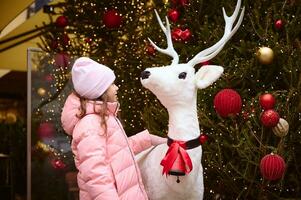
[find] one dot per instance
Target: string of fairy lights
(123, 49)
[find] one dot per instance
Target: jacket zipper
(126, 139)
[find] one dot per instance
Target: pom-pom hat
(91, 79)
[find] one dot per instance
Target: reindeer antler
(212, 51)
(169, 50)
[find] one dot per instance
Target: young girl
(104, 156)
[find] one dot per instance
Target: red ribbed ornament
(227, 102)
(272, 167)
(269, 118)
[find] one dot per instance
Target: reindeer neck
(183, 122)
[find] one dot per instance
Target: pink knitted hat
(91, 79)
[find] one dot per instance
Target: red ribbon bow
(177, 148)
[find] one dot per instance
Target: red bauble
(272, 167)
(178, 34)
(61, 60)
(269, 118)
(46, 130)
(88, 40)
(65, 39)
(58, 164)
(267, 101)
(173, 15)
(61, 21)
(278, 24)
(150, 50)
(227, 102)
(203, 138)
(112, 19)
(49, 78)
(186, 35)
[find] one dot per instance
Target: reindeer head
(176, 84)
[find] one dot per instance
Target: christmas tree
(252, 115)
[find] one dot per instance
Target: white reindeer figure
(176, 87)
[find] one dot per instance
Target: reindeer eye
(182, 75)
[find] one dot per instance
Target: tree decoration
(41, 91)
(46, 130)
(112, 19)
(278, 24)
(40, 151)
(203, 138)
(265, 55)
(272, 167)
(269, 118)
(49, 78)
(267, 101)
(88, 40)
(178, 34)
(42, 146)
(150, 50)
(61, 59)
(282, 128)
(173, 15)
(58, 164)
(65, 39)
(186, 35)
(61, 21)
(227, 102)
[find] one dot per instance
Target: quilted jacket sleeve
(93, 167)
(144, 140)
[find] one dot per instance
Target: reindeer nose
(145, 74)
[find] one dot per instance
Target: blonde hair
(102, 112)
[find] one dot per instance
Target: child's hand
(156, 140)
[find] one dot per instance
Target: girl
(104, 156)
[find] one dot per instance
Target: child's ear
(207, 75)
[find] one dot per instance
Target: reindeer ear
(207, 75)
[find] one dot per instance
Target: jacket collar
(113, 107)
(95, 107)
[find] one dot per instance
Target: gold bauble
(41, 91)
(265, 55)
(43, 147)
(281, 129)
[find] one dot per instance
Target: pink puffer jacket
(106, 165)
